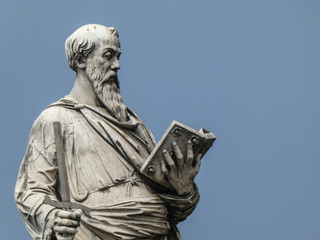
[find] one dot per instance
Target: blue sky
(246, 70)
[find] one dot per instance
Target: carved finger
(178, 153)
(164, 168)
(78, 212)
(63, 229)
(68, 215)
(66, 222)
(197, 163)
(169, 160)
(190, 155)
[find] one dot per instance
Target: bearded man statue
(102, 138)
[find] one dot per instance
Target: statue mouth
(112, 78)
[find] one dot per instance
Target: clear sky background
(247, 70)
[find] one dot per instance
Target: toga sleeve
(37, 178)
(180, 207)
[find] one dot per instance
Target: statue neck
(83, 91)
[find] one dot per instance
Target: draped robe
(102, 157)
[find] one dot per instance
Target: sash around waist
(129, 218)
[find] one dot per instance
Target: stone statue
(100, 138)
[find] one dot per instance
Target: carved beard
(108, 92)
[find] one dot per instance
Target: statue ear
(80, 62)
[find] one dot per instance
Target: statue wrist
(48, 232)
(186, 192)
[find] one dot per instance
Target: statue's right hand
(65, 224)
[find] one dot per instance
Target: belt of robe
(131, 218)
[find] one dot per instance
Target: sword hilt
(67, 205)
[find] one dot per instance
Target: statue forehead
(99, 34)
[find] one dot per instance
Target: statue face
(102, 65)
(104, 59)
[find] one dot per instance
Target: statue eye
(108, 55)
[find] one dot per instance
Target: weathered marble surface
(101, 137)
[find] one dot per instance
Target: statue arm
(37, 178)
(181, 207)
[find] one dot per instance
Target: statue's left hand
(181, 173)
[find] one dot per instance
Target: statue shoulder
(55, 112)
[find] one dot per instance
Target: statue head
(81, 43)
(94, 51)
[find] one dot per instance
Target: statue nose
(115, 65)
